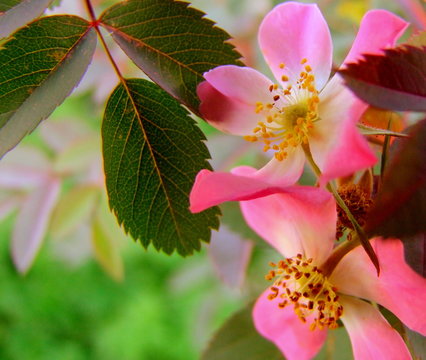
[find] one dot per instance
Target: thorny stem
(361, 238)
(95, 23)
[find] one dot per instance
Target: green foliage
(152, 152)
(79, 313)
(392, 81)
(171, 42)
(401, 201)
(41, 65)
(238, 339)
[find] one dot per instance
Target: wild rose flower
(308, 297)
(299, 109)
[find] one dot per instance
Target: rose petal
(379, 29)
(302, 220)
(337, 146)
(283, 173)
(291, 32)
(398, 288)
(241, 84)
(371, 336)
(224, 113)
(213, 188)
(282, 326)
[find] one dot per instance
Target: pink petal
(224, 113)
(242, 84)
(244, 183)
(229, 97)
(281, 326)
(336, 145)
(31, 224)
(291, 32)
(371, 336)
(300, 220)
(398, 288)
(379, 29)
(283, 173)
(213, 188)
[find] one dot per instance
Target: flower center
(298, 282)
(290, 117)
(358, 202)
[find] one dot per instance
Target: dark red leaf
(400, 206)
(395, 80)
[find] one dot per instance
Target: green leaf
(73, 208)
(152, 151)
(105, 241)
(171, 42)
(238, 339)
(16, 13)
(40, 65)
(417, 343)
(395, 80)
(399, 207)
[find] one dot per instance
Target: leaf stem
(95, 23)
(361, 236)
(338, 253)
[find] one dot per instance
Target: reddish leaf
(400, 205)
(395, 80)
(415, 253)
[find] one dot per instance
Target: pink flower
(306, 300)
(300, 108)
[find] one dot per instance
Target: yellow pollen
(282, 65)
(299, 283)
(304, 61)
(290, 115)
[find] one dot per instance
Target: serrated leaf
(17, 13)
(40, 65)
(171, 42)
(238, 339)
(152, 151)
(400, 205)
(395, 80)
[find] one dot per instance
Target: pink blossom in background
(303, 107)
(303, 303)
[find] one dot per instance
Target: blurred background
(72, 284)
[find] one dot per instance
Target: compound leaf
(152, 152)
(171, 42)
(41, 65)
